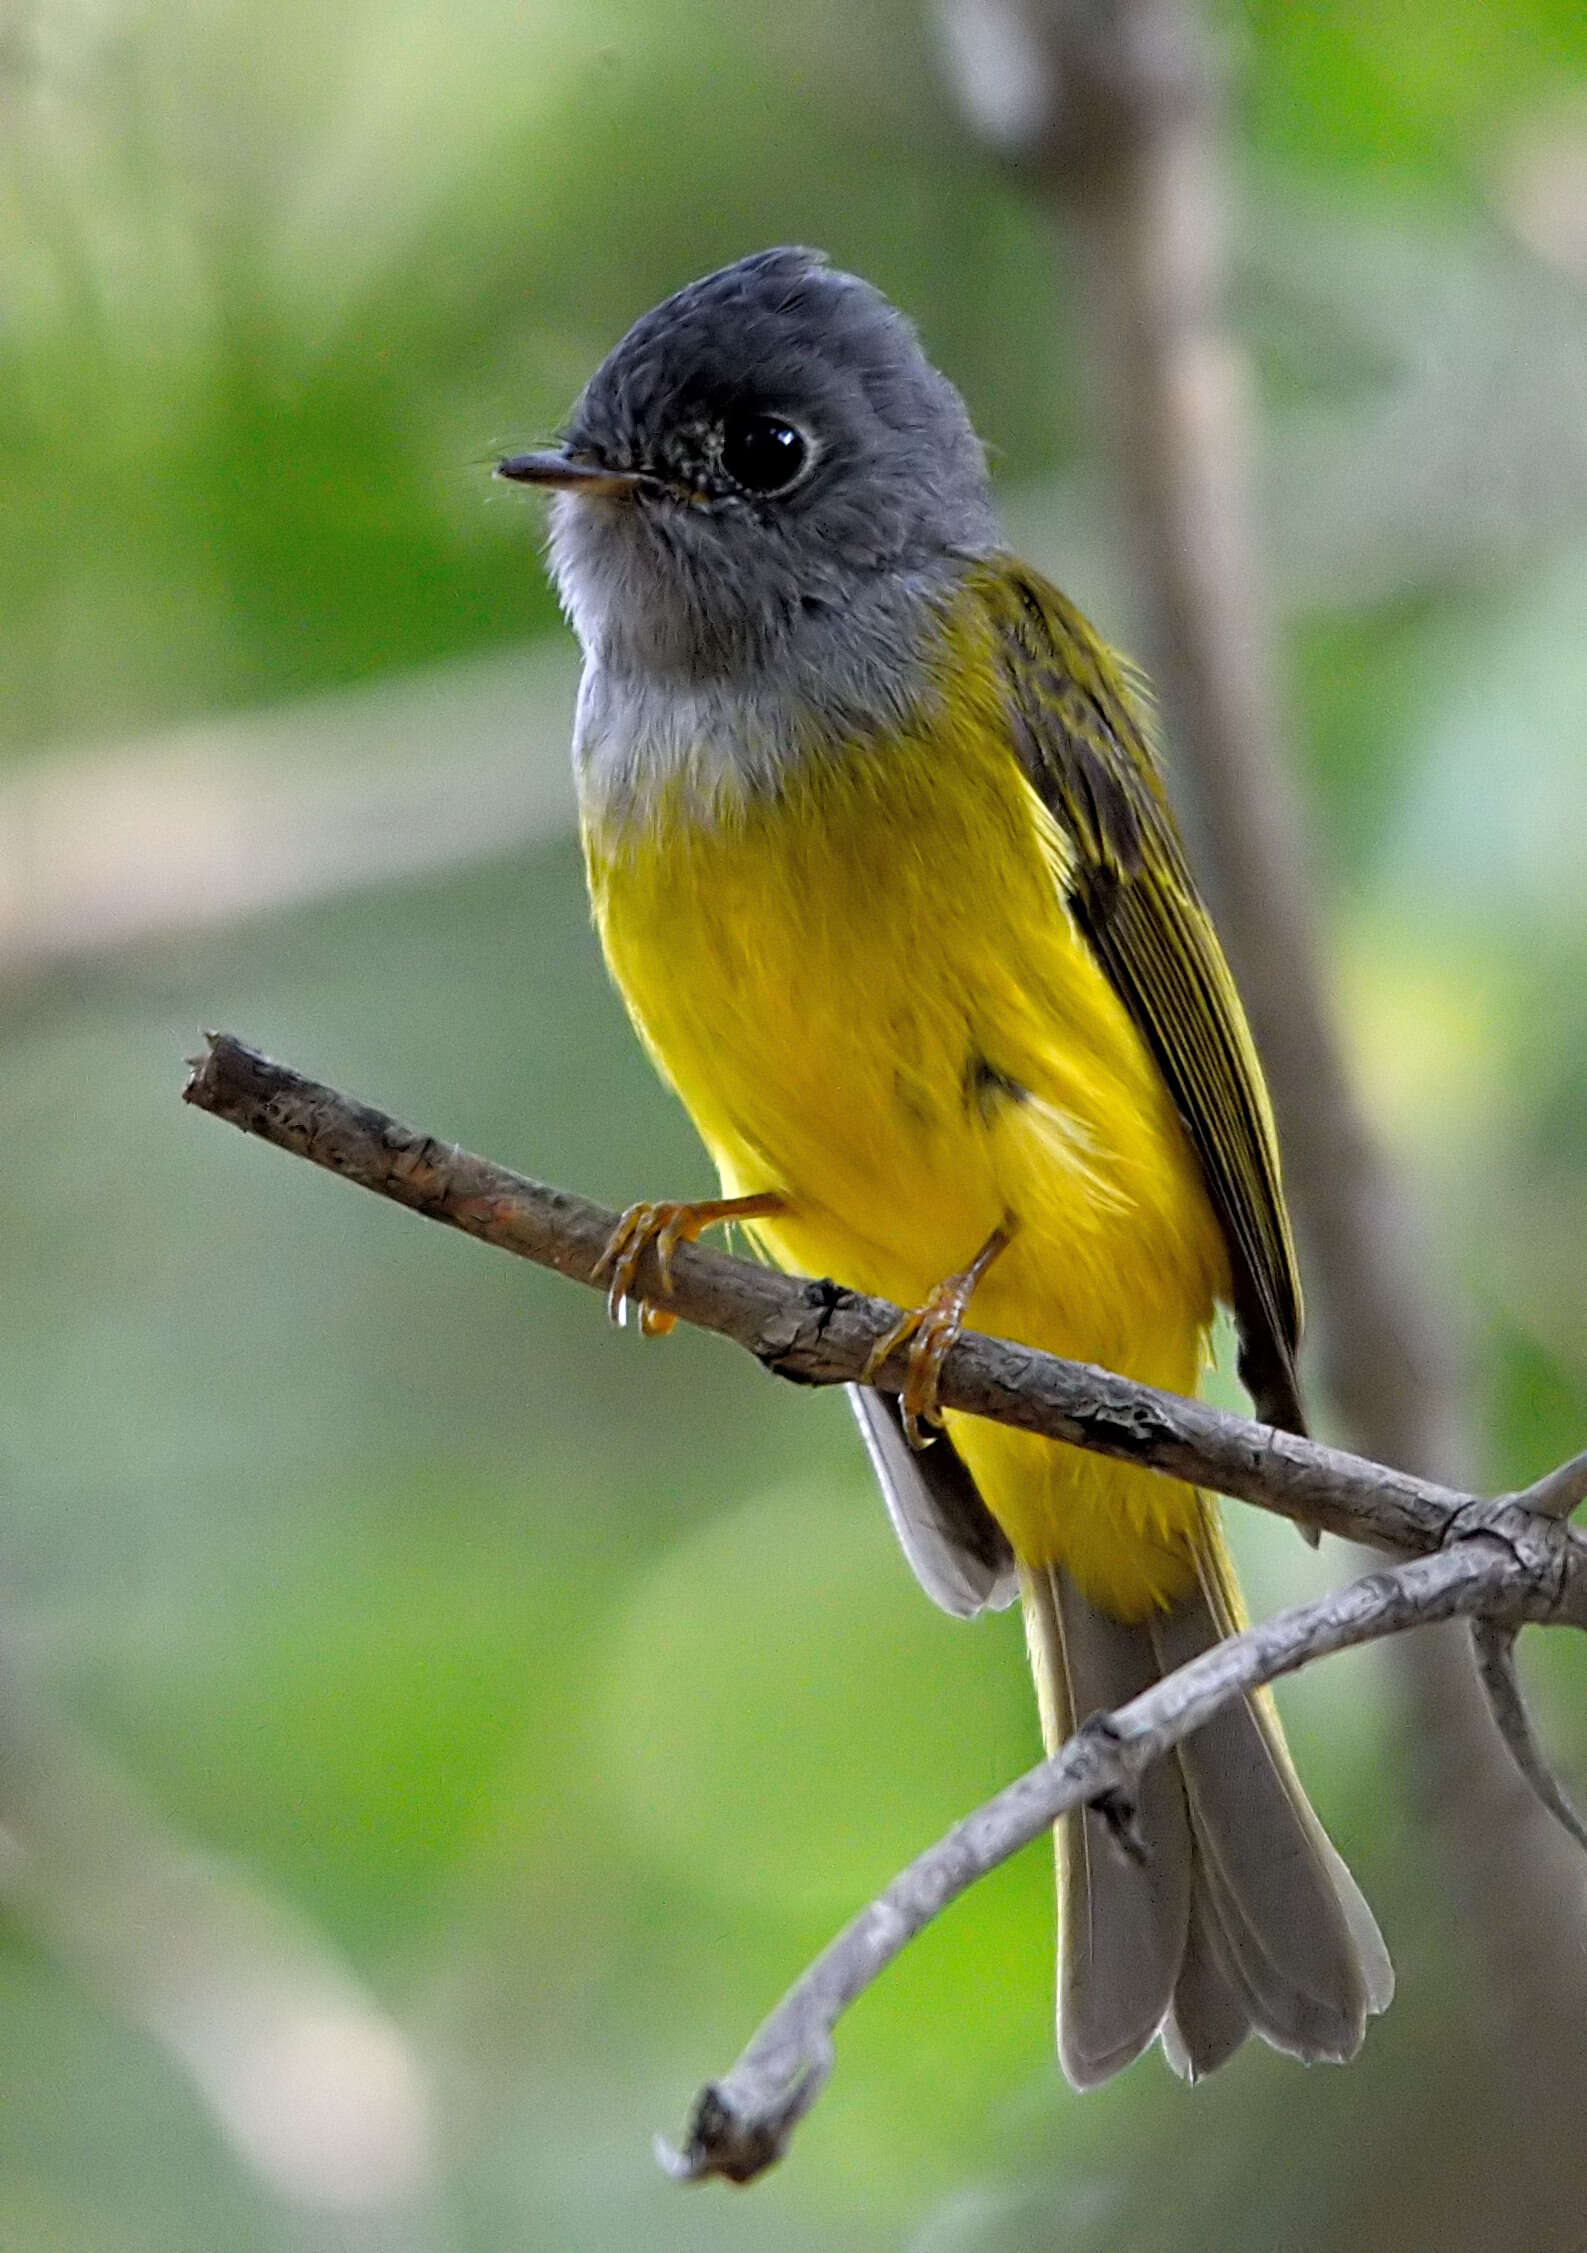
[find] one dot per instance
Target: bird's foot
(663, 1226)
(931, 1331)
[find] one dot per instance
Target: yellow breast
(869, 996)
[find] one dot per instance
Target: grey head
(762, 485)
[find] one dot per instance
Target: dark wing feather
(1085, 747)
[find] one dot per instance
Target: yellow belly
(870, 999)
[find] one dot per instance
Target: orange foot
(666, 1226)
(934, 1329)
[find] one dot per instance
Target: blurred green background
(440, 1725)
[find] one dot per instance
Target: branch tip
(201, 1068)
(1560, 1491)
(740, 2141)
(1493, 1644)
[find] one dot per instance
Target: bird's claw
(661, 1225)
(931, 1332)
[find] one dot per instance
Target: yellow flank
(870, 997)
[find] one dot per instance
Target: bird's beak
(566, 473)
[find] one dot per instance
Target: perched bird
(885, 872)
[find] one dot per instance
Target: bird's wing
(1085, 746)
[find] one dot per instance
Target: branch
(1561, 1491)
(1494, 1645)
(742, 2123)
(820, 1334)
(1498, 1562)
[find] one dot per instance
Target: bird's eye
(762, 453)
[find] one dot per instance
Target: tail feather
(1273, 1918)
(1121, 1921)
(1210, 2017)
(1268, 1874)
(1243, 1917)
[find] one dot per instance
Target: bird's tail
(1239, 1917)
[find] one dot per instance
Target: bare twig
(1494, 1644)
(817, 1333)
(1499, 1562)
(742, 2123)
(1562, 1490)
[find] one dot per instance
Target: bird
(884, 868)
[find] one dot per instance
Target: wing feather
(1085, 744)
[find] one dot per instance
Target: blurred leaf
(1406, 95)
(1537, 1408)
(1499, 805)
(787, 1718)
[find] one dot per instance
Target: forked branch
(1500, 1563)
(742, 2123)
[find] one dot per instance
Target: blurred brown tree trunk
(1111, 108)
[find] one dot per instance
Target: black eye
(762, 453)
